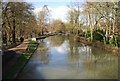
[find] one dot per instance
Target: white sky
(60, 0)
(56, 13)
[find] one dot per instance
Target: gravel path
(21, 48)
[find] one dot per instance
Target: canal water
(59, 57)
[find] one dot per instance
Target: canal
(59, 57)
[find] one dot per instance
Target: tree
(43, 19)
(57, 26)
(16, 17)
(74, 17)
(100, 16)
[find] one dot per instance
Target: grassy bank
(20, 63)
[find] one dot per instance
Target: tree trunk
(13, 31)
(90, 24)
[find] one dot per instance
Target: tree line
(17, 20)
(97, 21)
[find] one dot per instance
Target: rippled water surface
(59, 57)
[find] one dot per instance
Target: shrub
(73, 32)
(118, 40)
(112, 42)
(88, 38)
(88, 33)
(97, 36)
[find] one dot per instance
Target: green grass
(32, 46)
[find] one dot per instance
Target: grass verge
(21, 62)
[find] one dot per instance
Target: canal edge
(17, 74)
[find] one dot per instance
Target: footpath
(21, 48)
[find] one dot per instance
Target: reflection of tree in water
(43, 52)
(100, 62)
(97, 55)
(106, 60)
(74, 50)
(96, 62)
(102, 56)
(57, 40)
(76, 54)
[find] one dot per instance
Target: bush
(88, 38)
(112, 42)
(105, 41)
(97, 36)
(118, 44)
(118, 40)
(73, 32)
(88, 33)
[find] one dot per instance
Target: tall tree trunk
(90, 24)
(13, 32)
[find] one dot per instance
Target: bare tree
(43, 19)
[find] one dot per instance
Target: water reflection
(56, 40)
(59, 57)
(42, 53)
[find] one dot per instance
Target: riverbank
(100, 45)
(107, 47)
(20, 59)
